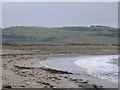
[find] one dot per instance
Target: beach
(21, 69)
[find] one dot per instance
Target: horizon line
(61, 26)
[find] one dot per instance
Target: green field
(74, 35)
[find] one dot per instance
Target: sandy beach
(20, 71)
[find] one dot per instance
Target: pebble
(28, 83)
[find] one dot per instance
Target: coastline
(35, 77)
(67, 64)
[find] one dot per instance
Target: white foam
(99, 66)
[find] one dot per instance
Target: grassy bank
(71, 35)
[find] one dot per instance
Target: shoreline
(33, 78)
(62, 64)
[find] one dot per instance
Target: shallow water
(101, 66)
(64, 64)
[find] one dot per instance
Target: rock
(60, 76)
(51, 86)
(45, 87)
(6, 86)
(85, 81)
(58, 79)
(65, 77)
(80, 86)
(4, 78)
(10, 61)
(74, 80)
(27, 83)
(14, 85)
(16, 70)
(22, 85)
(81, 79)
(44, 58)
(55, 77)
(22, 67)
(53, 80)
(56, 71)
(32, 63)
(54, 87)
(95, 86)
(30, 74)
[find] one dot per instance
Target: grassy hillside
(60, 35)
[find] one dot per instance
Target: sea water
(102, 66)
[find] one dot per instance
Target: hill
(70, 35)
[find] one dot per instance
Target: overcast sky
(59, 14)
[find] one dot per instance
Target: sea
(100, 66)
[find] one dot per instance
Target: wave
(100, 66)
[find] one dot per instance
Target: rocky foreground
(19, 71)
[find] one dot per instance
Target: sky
(55, 14)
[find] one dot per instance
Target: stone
(6, 86)
(22, 86)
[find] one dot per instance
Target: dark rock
(65, 77)
(85, 81)
(56, 71)
(106, 74)
(22, 86)
(45, 83)
(55, 77)
(6, 86)
(60, 76)
(45, 87)
(51, 86)
(74, 80)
